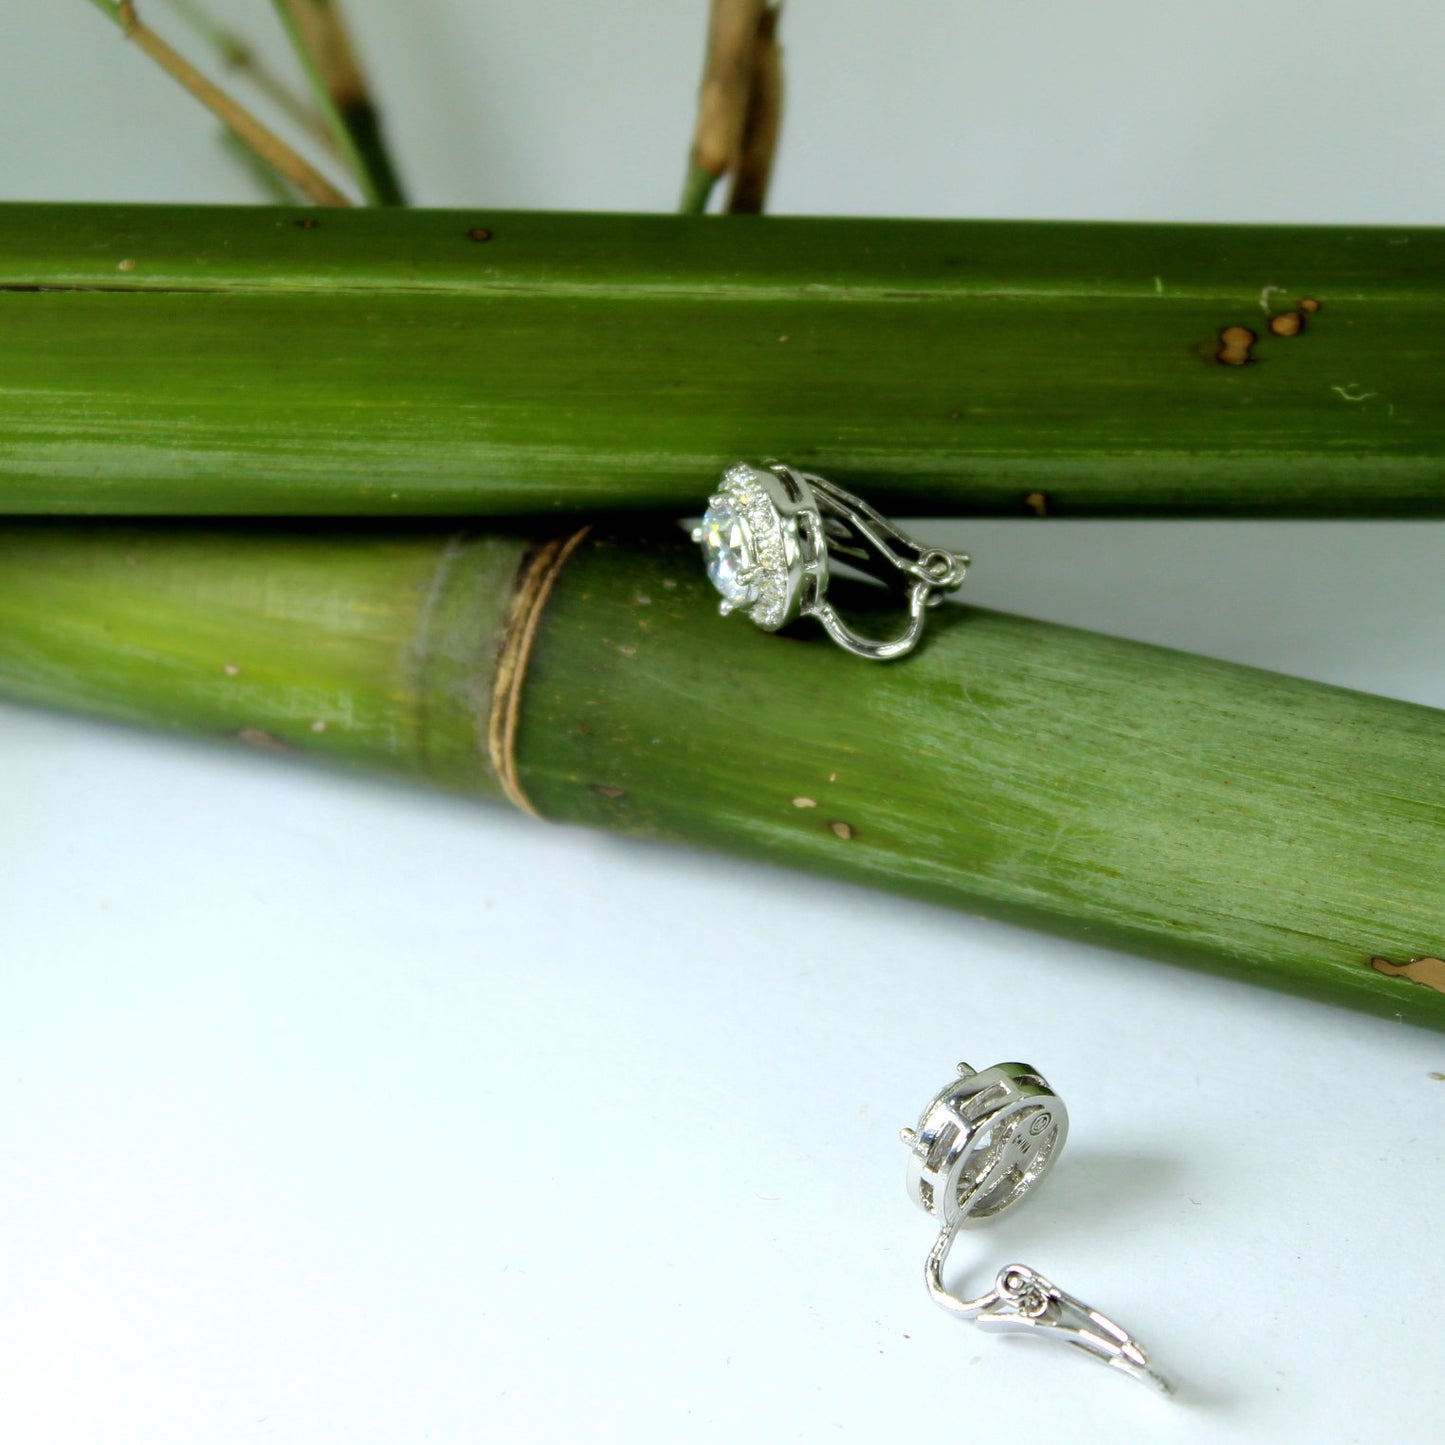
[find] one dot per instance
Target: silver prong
(964, 1070)
(697, 534)
(724, 608)
(909, 1136)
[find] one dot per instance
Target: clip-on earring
(981, 1144)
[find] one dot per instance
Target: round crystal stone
(727, 545)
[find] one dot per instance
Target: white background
(331, 1111)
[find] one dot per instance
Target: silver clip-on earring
(982, 1143)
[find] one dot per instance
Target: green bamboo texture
(168, 360)
(1274, 830)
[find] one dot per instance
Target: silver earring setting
(768, 536)
(983, 1141)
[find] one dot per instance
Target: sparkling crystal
(727, 544)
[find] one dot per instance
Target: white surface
(335, 1112)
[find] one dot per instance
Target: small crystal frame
(768, 559)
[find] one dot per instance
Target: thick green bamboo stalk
(1275, 830)
(265, 361)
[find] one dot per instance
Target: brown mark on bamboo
(1234, 346)
(805, 802)
(539, 569)
(479, 233)
(1287, 323)
(1309, 305)
(607, 790)
(1037, 503)
(127, 265)
(267, 742)
(845, 831)
(306, 223)
(1427, 971)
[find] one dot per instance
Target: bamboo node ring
(538, 574)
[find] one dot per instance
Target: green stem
(697, 190)
(396, 362)
(1273, 830)
(322, 41)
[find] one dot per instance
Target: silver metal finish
(983, 1141)
(783, 527)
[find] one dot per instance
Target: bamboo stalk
(233, 360)
(1274, 830)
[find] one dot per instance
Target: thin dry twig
(739, 104)
(264, 142)
(237, 55)
(763, 120)
(275, 186)
(722, 102)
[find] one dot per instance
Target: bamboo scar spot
(268, 742)
(1427, 971)
(534, 585)
(1234, 345)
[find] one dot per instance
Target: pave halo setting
(767, 538)
(746, 545)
